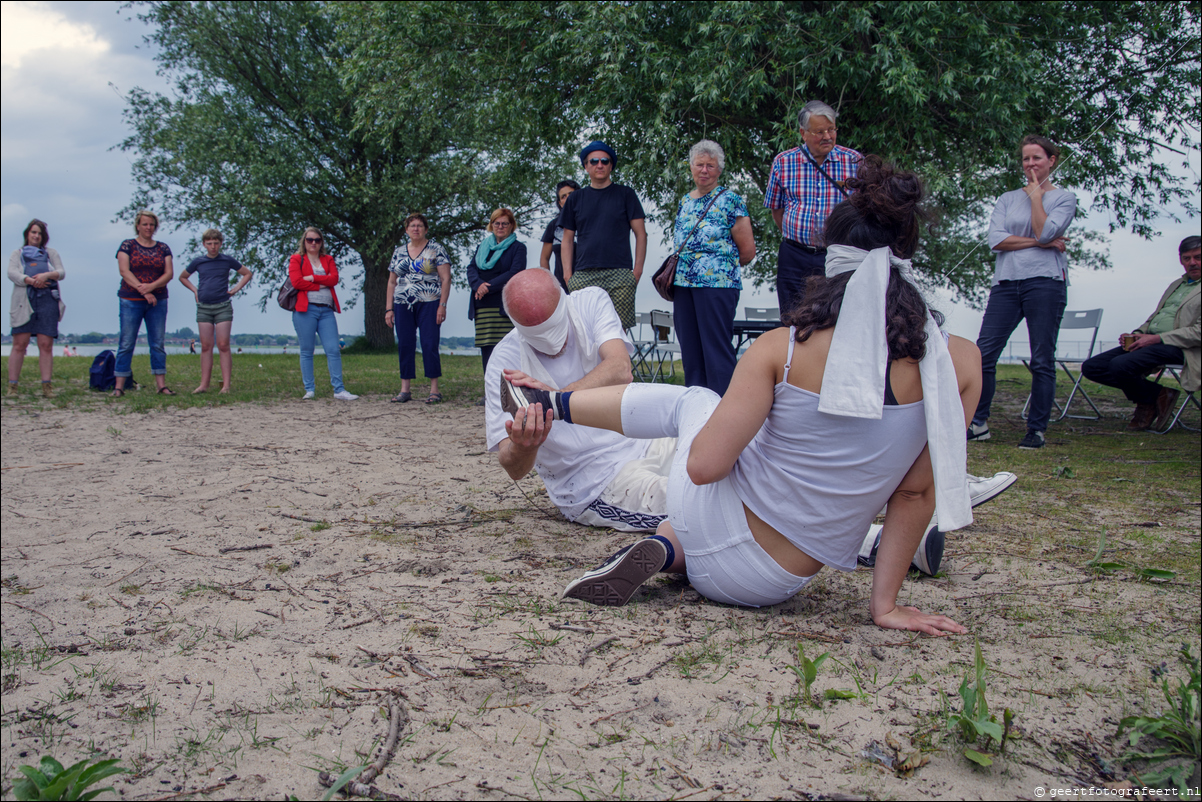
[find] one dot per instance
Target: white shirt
(576, 462)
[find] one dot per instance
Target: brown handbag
(665, 278)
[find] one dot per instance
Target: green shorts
(215, 313)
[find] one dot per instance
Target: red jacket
(298, 264)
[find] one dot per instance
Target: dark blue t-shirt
(213, 286)
(601, 219)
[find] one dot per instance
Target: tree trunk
(375, 303)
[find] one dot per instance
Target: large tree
(945, 88)
(270, 129)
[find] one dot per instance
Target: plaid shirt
(804, 193)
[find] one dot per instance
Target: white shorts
(636, 500)
(723, 560)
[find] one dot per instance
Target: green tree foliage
(268, 131)
(946, 89)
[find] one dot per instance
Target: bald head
(531, 296)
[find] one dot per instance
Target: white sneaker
(343, 395)
(308, 396)
(982, 489)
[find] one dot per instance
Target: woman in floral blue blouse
(419, 281)
(707, 274)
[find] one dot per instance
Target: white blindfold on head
(550, 336)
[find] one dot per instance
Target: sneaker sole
(993, 493)
(619, 582)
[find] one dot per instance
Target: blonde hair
(300, 248)
(146, 213)
(502, 212)
(211, 233)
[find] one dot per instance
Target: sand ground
(226, 599)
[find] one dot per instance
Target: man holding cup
(1171, 336)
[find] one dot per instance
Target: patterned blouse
(417, 279)
(147, 265)
(710, 259)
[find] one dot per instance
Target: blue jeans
(408, 320)
(314, 322)
(132, 315)
(1041, 301)
(704, 319)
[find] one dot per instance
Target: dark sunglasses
(314, 240)
(595, 162)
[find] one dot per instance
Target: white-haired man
(806, 183)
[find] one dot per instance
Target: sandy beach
(232, 599)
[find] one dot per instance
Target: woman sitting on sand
(823, 423)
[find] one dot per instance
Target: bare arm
(744, 239)
(243, 271)
(614, 368)
(741, 412)
(639, 227)
(444, 275)
(567, 249)
(527, 432)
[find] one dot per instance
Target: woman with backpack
(37, 306)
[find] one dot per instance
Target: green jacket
(1186, 333)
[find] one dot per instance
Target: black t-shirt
(553, 236)
(601, 219)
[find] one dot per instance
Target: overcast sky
(66, 67)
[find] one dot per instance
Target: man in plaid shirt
(801, 198)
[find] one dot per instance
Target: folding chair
(666, 347)
(761, 312)
(1188, 397)
(640, 360)
(1082, 319)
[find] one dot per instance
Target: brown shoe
(1143, 417)
(1166, 402)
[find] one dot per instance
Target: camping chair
(1188, 396)
(640, 360)
(665, 346)
(1082, 319)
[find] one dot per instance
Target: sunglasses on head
(314, 240)
(595, 162)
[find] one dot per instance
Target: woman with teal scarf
(499, 258)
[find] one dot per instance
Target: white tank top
(820, 479)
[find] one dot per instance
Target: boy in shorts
(214, 309)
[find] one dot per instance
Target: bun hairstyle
(884, 211)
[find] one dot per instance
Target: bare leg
(16, 357)
(665, 531)
(45, 356)
(206, 356)
(223, 348)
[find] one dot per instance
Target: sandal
(164, 390)
(403, 397)
(434, 398)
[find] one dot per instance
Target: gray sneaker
(613, 582)
(985, 488)
(978, 431)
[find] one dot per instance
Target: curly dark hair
(884, 211)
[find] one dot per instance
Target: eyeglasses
(595, 162)
(313, 240)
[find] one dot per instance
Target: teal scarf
(490, 250)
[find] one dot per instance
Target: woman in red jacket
(313, 272)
